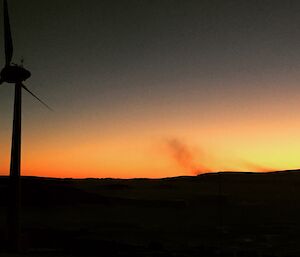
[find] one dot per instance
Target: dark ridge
(38, 191)
(229, 173)
(256, 214)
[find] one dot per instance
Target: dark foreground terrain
(222, 214)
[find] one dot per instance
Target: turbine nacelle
(14, 74)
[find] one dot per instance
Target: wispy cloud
(255, 167)
(184, 156)
(197, 160)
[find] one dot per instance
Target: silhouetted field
(221, 214)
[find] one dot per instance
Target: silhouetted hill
(172, 191)
(214, 214)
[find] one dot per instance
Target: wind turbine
(14, 74)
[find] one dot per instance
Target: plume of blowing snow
(184, 156)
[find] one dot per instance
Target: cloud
(197, 161)
(184, 156)
(256, 167)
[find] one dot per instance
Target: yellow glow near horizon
(248, 136)
(143, 154)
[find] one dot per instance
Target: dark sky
(119, 67)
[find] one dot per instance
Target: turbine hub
(14, 74)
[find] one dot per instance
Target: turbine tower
(14, 74)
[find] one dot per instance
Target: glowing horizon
(152, 89)
(226, 139)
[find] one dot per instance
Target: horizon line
(149, 178)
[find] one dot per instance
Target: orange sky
(254, 135)
(153, 89)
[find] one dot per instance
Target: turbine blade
(7, 35)
(47, 106)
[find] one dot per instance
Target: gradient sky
(146, 88)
